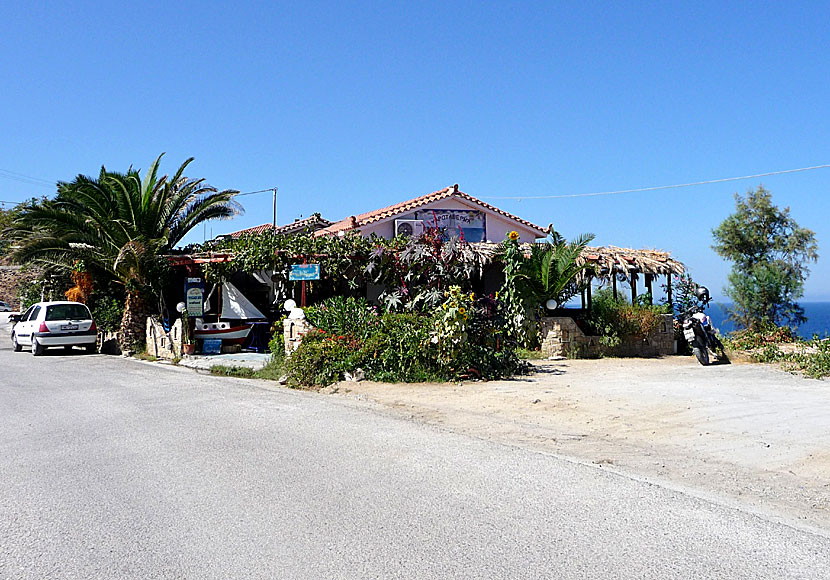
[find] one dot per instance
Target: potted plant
(187, 342)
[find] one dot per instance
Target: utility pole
(275, 210)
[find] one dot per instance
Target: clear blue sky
(347, 107)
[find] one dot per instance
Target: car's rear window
(67, 312)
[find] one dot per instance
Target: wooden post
(649, 283)
(588, 293)
(633, 278)
(582, 294)
(614, 283)
(668, 288)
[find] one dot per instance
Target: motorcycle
(698, 330)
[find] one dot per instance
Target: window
(35, 311)
(67, 312)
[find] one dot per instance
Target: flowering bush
(450, 332)
(462, 338)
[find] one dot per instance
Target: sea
(817, 313)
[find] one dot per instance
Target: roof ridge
(365, 218)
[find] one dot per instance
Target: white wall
(497, 225)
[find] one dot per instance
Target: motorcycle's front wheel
(701, 354)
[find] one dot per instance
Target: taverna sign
(303, 272)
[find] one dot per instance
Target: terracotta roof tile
(293, 227)
(363, 219)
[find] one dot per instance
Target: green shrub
(234, 371)
(754, 339)
(107, 312)
(615, 319)
(397, 347)
(339, 315)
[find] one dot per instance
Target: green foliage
(233, 371)
(450, 334)
(322, 359)
(746, 339)
(341, 315)
(407, 347)
(341, 259)
(399, 350)
(418, 271)
(47, 285)
(107, 311)
(118, 225)
(615, 319)
(770, 253)
(554, 271)
(810, 358)
(510, 294)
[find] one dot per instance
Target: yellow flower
(514, 235)
(462, 311)
(472, 296)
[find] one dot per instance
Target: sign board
(455, 223)
(304, 272)
(212, 346)
(194, 296)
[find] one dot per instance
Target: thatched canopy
(610, 260)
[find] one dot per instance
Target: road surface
(113, 468)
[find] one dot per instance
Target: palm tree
(120, 224)
(554, 270)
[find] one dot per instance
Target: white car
(50, 324)
(4, 307)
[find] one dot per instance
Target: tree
(119, 225)
(554, 269)
(770, 253)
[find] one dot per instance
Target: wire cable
(659, 187)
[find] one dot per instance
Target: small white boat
(235, 307)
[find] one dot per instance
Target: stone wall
(10, 279)
(293, 331)
(163, 344)
(562, 337)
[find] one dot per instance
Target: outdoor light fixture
(551, 304)
(289, 305)
(180, 307)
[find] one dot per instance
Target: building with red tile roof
(312, 223)
(448, 208)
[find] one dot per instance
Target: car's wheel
(15, 344)
(37, 348)
(702, 355)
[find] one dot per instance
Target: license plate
(69, 327)
(689, 334)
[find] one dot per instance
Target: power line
(270, 189)
(659, 187)
(27, 179)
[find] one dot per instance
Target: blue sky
(347, 107)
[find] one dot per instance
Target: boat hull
(230, 335)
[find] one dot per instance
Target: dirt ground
(747, 435)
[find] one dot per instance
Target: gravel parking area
(745, 434)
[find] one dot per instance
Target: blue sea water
(817, 313)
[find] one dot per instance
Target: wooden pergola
(608, 262)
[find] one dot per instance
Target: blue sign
(304, 272)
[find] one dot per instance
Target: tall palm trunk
(133, 323)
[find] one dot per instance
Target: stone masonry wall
(562, 337)
(10, 279)
(293, 332)
(163, 344)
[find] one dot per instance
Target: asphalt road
(112, 468)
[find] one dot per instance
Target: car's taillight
(93, 328)
(43, 327)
